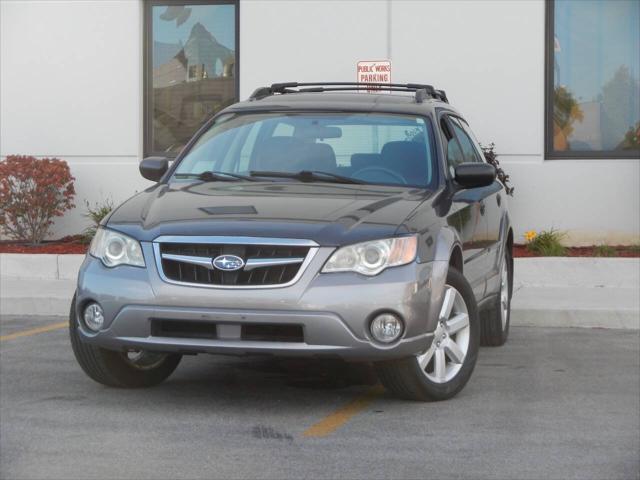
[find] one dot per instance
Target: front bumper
(333, 310)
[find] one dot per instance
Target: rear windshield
(383, 149)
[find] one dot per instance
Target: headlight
(370, 258)
(114, 249)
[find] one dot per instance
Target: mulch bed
(520, 251)
(74, 244)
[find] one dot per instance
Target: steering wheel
(362, 174)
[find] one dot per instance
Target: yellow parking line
(341, 416)
(34, 331)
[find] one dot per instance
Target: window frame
(549, 152)
(147, 74)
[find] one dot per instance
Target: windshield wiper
(307, 176)
(214, 175)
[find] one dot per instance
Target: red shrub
(32, 192)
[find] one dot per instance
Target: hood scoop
(231, 210)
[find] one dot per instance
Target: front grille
(192, 263)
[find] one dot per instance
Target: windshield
(383, 149)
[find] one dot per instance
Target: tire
(117, 369)
(408, 379)
(495, 320)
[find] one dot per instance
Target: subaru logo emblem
(228, 263)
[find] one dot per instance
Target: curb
(38, 297)
(611, 319)
(40, 266)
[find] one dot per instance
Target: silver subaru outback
(311, 220)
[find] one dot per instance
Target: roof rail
(421, 91)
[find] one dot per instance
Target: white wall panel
(310, 40)
(71, 76)
(487, 55)
(70, 87)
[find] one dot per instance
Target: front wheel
(133, 369)
(445, 367)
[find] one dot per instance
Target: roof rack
(421, 91)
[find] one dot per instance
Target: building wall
(71, 86)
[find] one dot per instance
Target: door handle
(498, 199)
(482, 208)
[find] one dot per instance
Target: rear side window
(472, 136)
(454, 152)
(468, 149)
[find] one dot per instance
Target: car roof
(341, 101)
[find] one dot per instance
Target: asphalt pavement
(552, 403)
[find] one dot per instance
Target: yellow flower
(530, 235)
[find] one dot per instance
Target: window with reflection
(593, 79)
(191, 68)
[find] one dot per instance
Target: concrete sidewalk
(577, 292)
(550, 292)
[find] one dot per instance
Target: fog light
(386, 328)
(94, 317)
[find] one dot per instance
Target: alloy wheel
(445, 357)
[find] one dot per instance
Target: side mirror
(474, 175)
(153, 168)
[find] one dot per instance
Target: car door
(465, 214)
(490, 200)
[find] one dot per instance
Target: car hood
(330, 214)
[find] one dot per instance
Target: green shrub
(604, 251)
(547, 244)
(96, 213)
